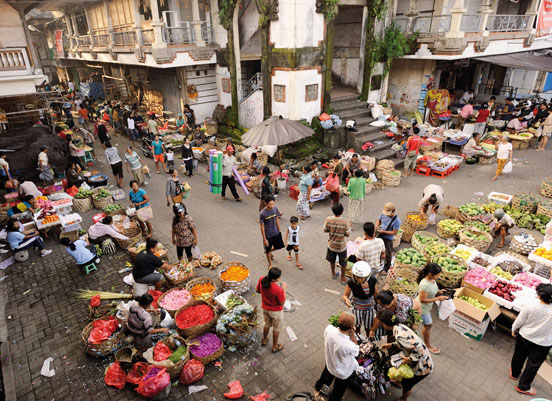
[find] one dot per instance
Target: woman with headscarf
(184, 232)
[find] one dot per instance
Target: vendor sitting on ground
(352, 165)
(26, 205)
(103, 230)
(146, 264)
(199, 136)
(78, 250)
(19, 241)
(472, 148)
(140, 322)
(27, 188)
(432, 196)
(73, 175)
(503, 222)
(515, 124)
(315, 174)
(254, 167)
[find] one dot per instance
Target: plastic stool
(423, 170)
(21, 256)
(139, 289)
(88, 159)
(89, 267)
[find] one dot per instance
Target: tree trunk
(266, 71)
(369, 44)
(234, 115)
(330, 23)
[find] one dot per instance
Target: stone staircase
(349, 108)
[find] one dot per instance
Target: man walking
(412, 150)
(228, 163)
(340, 350)
(338, 228)
(387, 226)
(270, 229)
(371, 250)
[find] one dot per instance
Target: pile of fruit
(42, 203)
(480, 261)
(527, 220)
(234, 273)
(451, 265)
(424, 240)
(211, 259)
(436, 248)
(491, 207)
(527, 279)
(543, 253)
(497, 271)
(504, 290)
(114, 207)
(479, 225)
(463, 253)
(511, 266)
(83, 193)
(416, 217)
(102, 193)
(473, 302)
(471, 209)
(410, 256)
(474, 236)
(50, 219)
(480, 277)
(450, 226)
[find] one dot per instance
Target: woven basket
(171, 311)
(418, 225)
(408, 232)
(121, 212)
(481, 246)
(529, 206)
(391, 180)
(427, 147)
(450, 211)
(487, 160)
(369, 187)
(463, 217)
(516, 145)
(378, 185)
(524, 145)
(205, 360)
(545, 210)
(239, 287)
(445, 234)
(409, 272)
(100, 203)
(245, 337)
(104, 349)
(262, 157)
(182, 282)
(397, 238)
(82, 204)
(451, 279)
(201, 280)
(546, 187)
(134, 234)
(198, 330)
(521, 248)
(398, 285)
(174, 369)
(417, 245)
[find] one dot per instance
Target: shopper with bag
(431, 197)
(387, 227)
(140, 201)
(174, 189)
(184, 233)
(305, 188)
(503, 155)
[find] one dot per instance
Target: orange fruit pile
(544, 253)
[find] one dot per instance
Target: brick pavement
(47, 321)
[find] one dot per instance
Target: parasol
(276, 131)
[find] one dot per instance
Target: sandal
(512, 377)
(264, 342)
(336, 275)
(299, 266)
(532, 392)
(289, 258)
(278, 349)
(435, 351)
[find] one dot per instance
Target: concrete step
(353, 114)
(347, 105)
(346, 98)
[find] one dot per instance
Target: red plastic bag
(137, 372)
(95, 300)
(332, 183)
(324, 117)
(236, 390)
(260, 397)
(161, 352)
(102, 330)
(115, 376)
(155, 294)
(72, 191)
(154, 382)
(192, 372)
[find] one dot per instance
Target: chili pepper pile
(208, 343)
(201, 289)
(194, 316)
(235, 273)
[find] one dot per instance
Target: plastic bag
(137, 372)
(373, 177)
(85, 187)
(324, 117)
(196, 253)
(332, 183)
(507, 168)
(236, 390)
(155, 294)
(115, 376)
(192, 372)
(432, 218)
(161, 352)
(446, 308)
(72, 191)
(154, 382)
(95, 300)
(102, 330)
(376, 110)
(260, 397)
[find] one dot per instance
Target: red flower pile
(194, 316)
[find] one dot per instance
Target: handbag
(332, 183)
(186, 186)
(144, 214)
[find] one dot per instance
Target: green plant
(394, 43)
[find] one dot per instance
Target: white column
(89, 27)
(137, 22)
(532, 11)
(457, 12)
(411, 13)
(69, 28)
(109, 24)
(486, 10)
(237, 54)
(218, 31)
(196, 23)
(157, 26)
(362, 45)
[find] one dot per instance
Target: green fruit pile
(528, 220)
(473, 301)
(479, 225)
(436, 248)
(103, 193)
(471, 209)
(112, 208)
(475, 236)
(410, 256)
(450, 226)
(424, 240)
(491, 207)
(497, 271)
(451, 265)
(83, 193)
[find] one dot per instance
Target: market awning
(534, 61)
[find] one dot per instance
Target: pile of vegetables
(471, 209)
(402, 372)
(102, 193)
(175, 299)
(410, 256)
(450, 264)
(233, 301)
(195, 315)
(205, 345)
(528, 220)
(479, 225)
(83, 193)
(114, 207)
(334, 318)
(234, 273)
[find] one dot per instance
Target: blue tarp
(93, 90)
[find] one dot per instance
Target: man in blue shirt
(387, 226)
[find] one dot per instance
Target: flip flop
(512, 377)
(435, 351)
(299, 266)
(263, 343)
(280, 347)
(532, 392)
(289, 258)
(335, 276)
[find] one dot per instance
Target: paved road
(47, 320)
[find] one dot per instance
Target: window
(279, 93)
(311, 93)
(226, 85)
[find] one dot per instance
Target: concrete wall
(249, 22)
(11, 27)
(251, 110)
(224, 98)
(405, 81)
(295, 107)
(524, 80)
(347, 38)
(299, 25)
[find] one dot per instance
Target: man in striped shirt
(338, 228)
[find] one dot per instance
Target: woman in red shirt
(273, 298)
(481, 119)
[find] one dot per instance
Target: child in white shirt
(170, 159)
(292, 240)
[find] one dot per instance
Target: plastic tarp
(526, 60)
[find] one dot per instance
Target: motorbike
(147, 147)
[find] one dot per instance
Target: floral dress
(404, 304)
(414, 348)
(184, 231)
(302, 201)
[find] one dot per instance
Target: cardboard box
(467, 326)
(472, 287)
(473, 312)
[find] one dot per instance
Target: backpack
(303, 396)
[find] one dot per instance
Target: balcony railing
(207, 33)
(471, 23)
(178, 36)
(432, 24)
(12, 60)
(401, 23)
(124, 38)
(102, 39)
(254, 83)
(148, 37)
(84, 40)
(508, 23)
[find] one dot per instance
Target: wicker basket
(82, 204)
(417, 245)
(369, 187)
(378, 185)
(198, 330)
(171, 311)
(100, 203)
(205, 360)
(407, 234)
(546, 187)
(400, 285)
(104, 349)
(397, 238)
(445, 234)
(201, 280)
(451, 279)
(544, 209)
(391, 180)
(134, 234)
(450, 211)
(174, 369)
(418, 225)
(521, 247)
(409, 272)
(182, 282)
(246, 334)
(120, 211)
(481, 246)
(487, 160)
(519, 201)
(239, 287)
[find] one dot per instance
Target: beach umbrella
(276, 131)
